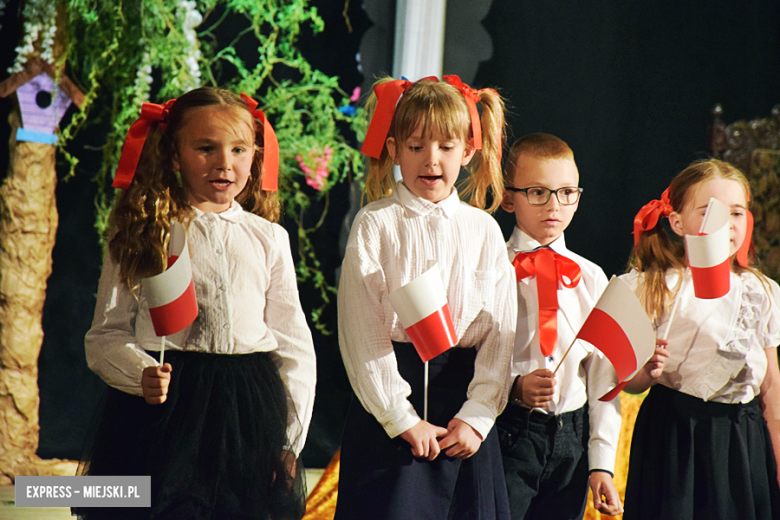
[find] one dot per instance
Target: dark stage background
(628, 85)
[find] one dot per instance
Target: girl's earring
(179, 182)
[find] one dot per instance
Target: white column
(419, 38)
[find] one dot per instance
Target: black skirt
(698, 460)
(379, 479)
(213, 448)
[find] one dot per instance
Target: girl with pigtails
(220, 425)
(706, 443)
(394, 463)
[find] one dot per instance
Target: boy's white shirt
(392, 242)
(586, 374)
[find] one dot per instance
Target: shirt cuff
(601, 457)
(398, 420)
(478, 416)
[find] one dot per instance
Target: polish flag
(171, 294)
(708, 253)
(423, 310)
(618, 326)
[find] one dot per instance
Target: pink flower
(355, 94)
(316, 167)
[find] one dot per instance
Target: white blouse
(716, 347)
(247, 302)
(392, 242)
(586, 374)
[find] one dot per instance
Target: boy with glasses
(556, 436)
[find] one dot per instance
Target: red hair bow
(387, 95)
(648, 216)
(134, 142)
(270, 174)
(747, 243)
(472, 98)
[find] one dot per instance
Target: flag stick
(674, 306)
(572, 343)
(671, 315)
(564, 355)
(425, 398)
(162, 351)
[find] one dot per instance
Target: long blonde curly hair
(441, 108)
(140, 220)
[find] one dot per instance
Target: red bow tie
(549, 267)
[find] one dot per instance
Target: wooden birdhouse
(42, 102)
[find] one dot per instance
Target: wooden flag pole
(570, 346)
(671, 315)
(564, 355)
(425, 397)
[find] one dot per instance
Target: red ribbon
(270, 174)
(648, 216)
(549, 268)
(387, 95)
(472, 98)
(134, 142)
(747, 243)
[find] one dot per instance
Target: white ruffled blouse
(247, 302)
(717, 346)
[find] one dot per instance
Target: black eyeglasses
(539, 195)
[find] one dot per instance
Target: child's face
(429, 164)
(729, 192)
(547, 222)
(214, 152)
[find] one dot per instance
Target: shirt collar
(421, 207)
(232, 214)
(519, 241)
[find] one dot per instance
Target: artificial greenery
(123, 53)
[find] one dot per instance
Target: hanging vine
(123, 53)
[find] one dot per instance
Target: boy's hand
(535, 389)
(154, 383)
(462, 441)
(605, 497)
(655, 365)
(423, 439)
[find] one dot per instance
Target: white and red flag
(422, 307)
(708, 253)
(618, 326)
(171, 294)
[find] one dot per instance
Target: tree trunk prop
(28, 224)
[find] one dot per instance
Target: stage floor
(8, 511)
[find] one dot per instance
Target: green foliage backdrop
(123, 53)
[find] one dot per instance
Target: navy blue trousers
(380, 479)
(545, 462)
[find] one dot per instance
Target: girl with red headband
(706, 444)
(395, 464)
(220, 425)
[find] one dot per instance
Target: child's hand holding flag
(619, 327)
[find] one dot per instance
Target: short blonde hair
(538, 145)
